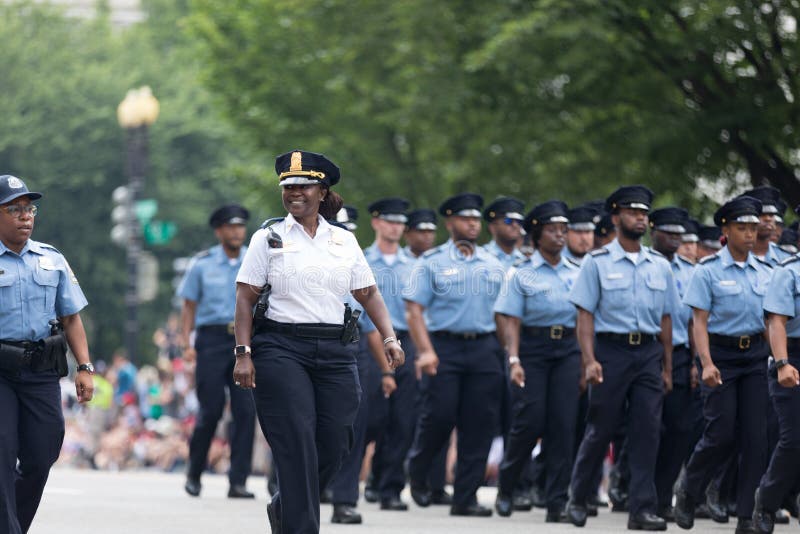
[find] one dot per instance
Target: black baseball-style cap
(11, 188)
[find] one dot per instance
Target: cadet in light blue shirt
(772, 208)
(726, 292)
(210, 283)
(504, 216)
(580, 232)
(783, 294)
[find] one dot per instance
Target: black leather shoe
(782, 517)
(763, 520)
(701, 512)
(596, 501)
(537, 496)
(345, 514)
(717, 510)
(274, 522)
(239, 491)
(393, 503)
(441, 497)
(556, 516)
(326, 497)
(193, 486)
(472, 510)
(421, 496)
(667, 514)
(745, 526)
(371, 494)
(504, 505)
(646, 521)
(523, 502)
(684, 506)
(576, 513)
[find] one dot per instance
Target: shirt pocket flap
(725, 288)
(657, 283)
(8, 279)
(46, 278)
(613, 281)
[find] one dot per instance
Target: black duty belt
(461, 335)
(400, 333)
(631, 338)
(309, 330)
(18, 354)
(735, 342)
(226, 328)
(552, 332)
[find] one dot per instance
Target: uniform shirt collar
(373, 253)
(537, 260)
(618, 253)
(30, 246)
(727, 259)
(495, 249)
(291, 222)
(219, 252)
(478, 251)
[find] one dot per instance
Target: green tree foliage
(537, 99)
(63, 79)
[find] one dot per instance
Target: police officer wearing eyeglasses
(456, 285)
(539, 325)
(625, 295)
(208, 290)
(504, 216)
(37, 288)
(303, 351)
(726, 293)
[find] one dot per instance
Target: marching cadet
(504, 216)
(689, 240)
(765, 247)
(680, 417)
(726, 293)
(604, 231)
(625, 294)
(580, 233)
(709, 241)
(539, 325)
(781, 305)
(420, 234)
(208, 290)
(456, 285)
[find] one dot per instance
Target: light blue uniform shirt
(210, 281)
(682, 271)
(508, 260)
(783, 294)
(458, 292)
(391, 281)
(625, 297)
(733, 296)
(565, 253)
(537, 292)
(36, 286)
(775, 255)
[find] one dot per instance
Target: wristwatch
(781, 363)
(88, 367)
(241, 350)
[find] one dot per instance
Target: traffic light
(154, 232)
(120, 215)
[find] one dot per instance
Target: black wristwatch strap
(781, 363)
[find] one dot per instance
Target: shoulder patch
(709, 258)
(763, 262)
(791, 259)
(685, 259)
(337, 224)
(599, 251)
(432, 251)
(270, 222)
(573, 262)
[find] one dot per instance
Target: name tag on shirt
(727, 282)
(450, 272)
(47, 263)
(614, 276)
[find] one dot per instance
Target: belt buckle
(470, 335)
(635, 338)
(230, 329)
(744, 342)
(556, 332)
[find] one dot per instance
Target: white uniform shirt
(310, 278)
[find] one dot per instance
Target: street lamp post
(135, 114)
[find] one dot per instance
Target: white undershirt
(633, 256)
(390, 259)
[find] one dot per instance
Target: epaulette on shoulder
(599, 251)
(791, 259)
(202, 254)
(337, 224)
(51, 247)
(685, 259)
(573, 262)
(657, 253)
(520, 261)
(709, 258)
(432, 251)
(270, 222)
(763, 262)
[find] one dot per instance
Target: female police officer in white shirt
(308, 382)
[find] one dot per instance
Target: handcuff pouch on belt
(47, 354)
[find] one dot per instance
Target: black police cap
(299, 167)
(504, 207)
(348, 216)
(630, 196)
(463, 204)
(422, 219)
(781, 207)
(692, 227)
(788, 239)
(742, 209)
(391, 209)
(769, 196)
(552, 211)
(11, 188)
(604, 226)
(228, 214)
(709, 236)
(583, 218)
(671, 219)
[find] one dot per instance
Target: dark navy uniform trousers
(631, 373)
(465, 393)
(735, 409)
(214, 374)
(546, 407)
(783, 473)
(307, 395)
(31, 434)
(344, 486)
(681, 423)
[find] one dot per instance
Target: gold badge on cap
(297, 161)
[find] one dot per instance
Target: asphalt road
(81, 502)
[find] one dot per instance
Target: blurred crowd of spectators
(141, 418)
